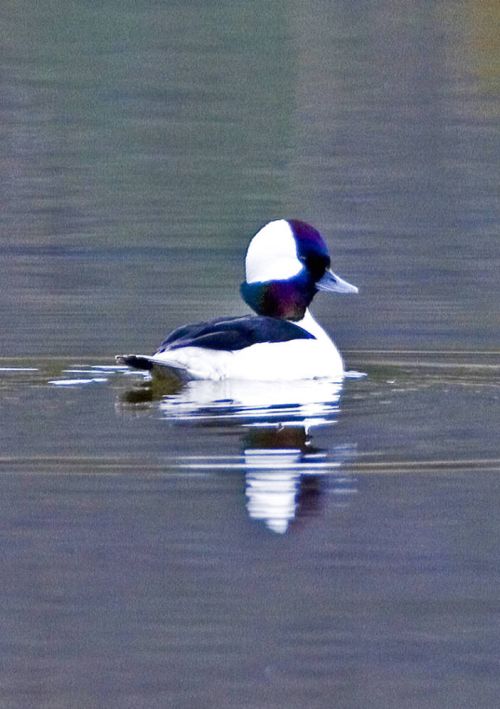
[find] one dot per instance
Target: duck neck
(287, 299)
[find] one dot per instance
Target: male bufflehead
(286, 263)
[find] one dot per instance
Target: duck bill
(334, 284)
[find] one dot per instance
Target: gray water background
(141, 145)
(144, 143)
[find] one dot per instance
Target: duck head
(286, 264)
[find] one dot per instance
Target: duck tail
(135, 361)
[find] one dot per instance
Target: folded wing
(233, 334)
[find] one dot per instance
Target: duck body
(248, 348)
(286, 263)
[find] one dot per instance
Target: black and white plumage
(222, 335)
(286, 263)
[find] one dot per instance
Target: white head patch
(272, 254)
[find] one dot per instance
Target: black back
(234, 333)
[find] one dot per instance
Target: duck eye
(317, 264)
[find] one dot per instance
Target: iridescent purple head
(286, 263)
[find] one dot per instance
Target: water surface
(193, 549)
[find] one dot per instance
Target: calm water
(202, 548)
(231, 546)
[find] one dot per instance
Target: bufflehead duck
(286, 264)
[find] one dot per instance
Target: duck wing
(234, 333)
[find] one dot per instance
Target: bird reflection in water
(285, 474)
(281, 482)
